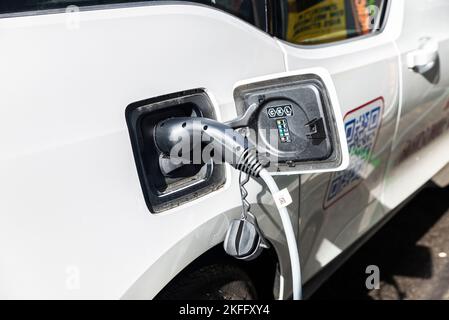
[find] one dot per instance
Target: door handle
(424, 58)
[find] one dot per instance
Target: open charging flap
(295, 120)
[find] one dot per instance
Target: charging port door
(295, 121)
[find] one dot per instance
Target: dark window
(252, 11)
(323, 21)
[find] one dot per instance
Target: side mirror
(295, 121)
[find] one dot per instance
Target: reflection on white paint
(327, 252)
(281, 287)
(369, 217)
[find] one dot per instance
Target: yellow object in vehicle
(320, 23)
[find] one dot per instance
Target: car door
(354, 40)
(420, 147)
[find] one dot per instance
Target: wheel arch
(205, 246)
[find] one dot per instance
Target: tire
(214, 282)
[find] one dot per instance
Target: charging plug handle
(178, 137)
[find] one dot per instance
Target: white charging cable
(289, 234)
(167, 134)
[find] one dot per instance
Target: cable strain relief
(250, 163)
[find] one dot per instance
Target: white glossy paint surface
(71, 198)
(73, 221)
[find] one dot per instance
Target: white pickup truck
(81, 218)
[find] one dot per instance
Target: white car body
(73, 221)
